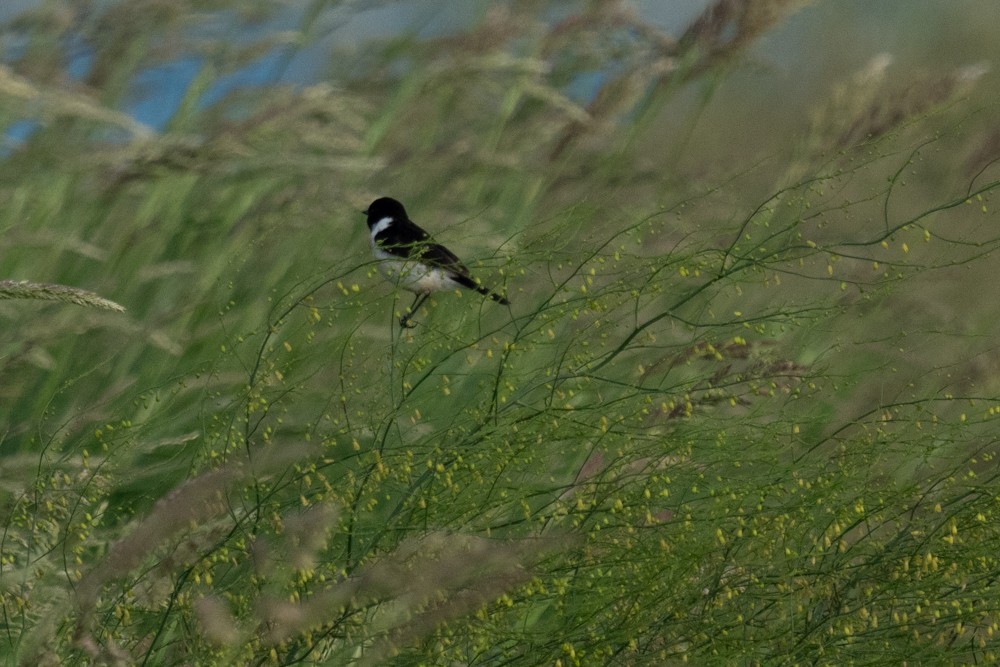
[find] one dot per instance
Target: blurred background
(186, 159)
(749, 248)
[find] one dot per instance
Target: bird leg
(406, 321)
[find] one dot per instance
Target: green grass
(741, 409)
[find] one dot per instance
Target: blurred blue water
(157, 92)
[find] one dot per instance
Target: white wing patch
(379, 227)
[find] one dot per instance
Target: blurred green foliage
(741, 410)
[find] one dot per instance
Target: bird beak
(364, 212)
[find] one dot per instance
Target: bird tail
(493, 295)
(466, 281)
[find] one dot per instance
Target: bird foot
(406, 321)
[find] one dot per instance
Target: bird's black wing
(402, 238)
(406, 240)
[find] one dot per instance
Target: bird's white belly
(413, 276)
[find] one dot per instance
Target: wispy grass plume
(23, 289)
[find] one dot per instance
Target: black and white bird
(409, 257)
